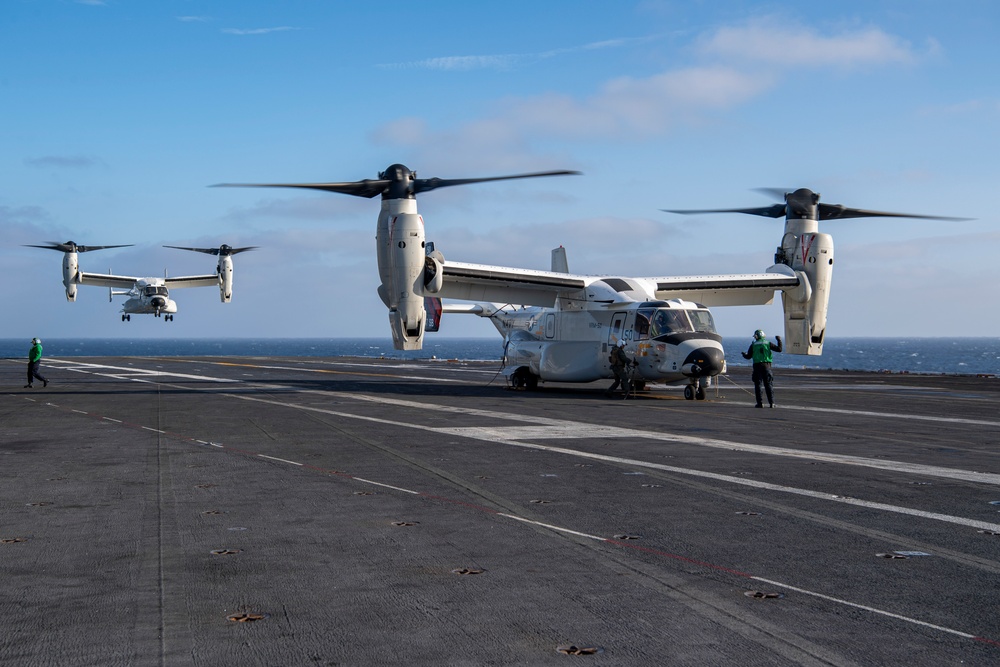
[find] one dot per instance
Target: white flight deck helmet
(621, 343)
(759, 334)
(36, 341)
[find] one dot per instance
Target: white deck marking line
(154, 430)
(387, 486)
(496, 435)
(126, 373)
(80, 412)
(215, 444)
(895, 415)
(275, 458)
(559, 529)
(117, 421)
(576, 430)
(873, 610)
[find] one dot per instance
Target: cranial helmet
(759, 334)
(36, 341)
(621, 343)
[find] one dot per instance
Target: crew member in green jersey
(760, 351)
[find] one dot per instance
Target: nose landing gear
(692, 392)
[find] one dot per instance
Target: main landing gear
(524, 379)
(126, 318)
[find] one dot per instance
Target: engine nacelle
(71, 272)
(811, 255)
(433, 272)
(406, 292)
(225, 271)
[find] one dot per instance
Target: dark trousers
(762, 375)
(33, 371)
(621, 378)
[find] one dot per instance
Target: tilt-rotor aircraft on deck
(146, 296)
(564, 325)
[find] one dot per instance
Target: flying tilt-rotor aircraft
(146, 295)
(564, 324)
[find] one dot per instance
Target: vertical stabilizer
(559, 263)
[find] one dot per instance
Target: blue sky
(116, 115)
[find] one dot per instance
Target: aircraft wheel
(517, 380)
(700, 393)
(128, 318)
(689, 393)
(531, 382)
(123, 318)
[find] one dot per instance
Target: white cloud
(506, 61)
(781, 43)
(256, 31)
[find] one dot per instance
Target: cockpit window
(702, 320)
(642, 317)
(153, 290)
(667, 321)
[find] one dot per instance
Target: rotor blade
(839, 212)
(224, 250)
(72, 247)
(367, 188)
(427, 184)
(207, 251)
(774, 193)
(775, 211)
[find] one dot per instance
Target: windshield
(152, 290)
(667, 321)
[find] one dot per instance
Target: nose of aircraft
(705, 361)
(158, 302)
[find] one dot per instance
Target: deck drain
(921, 483)
(203, 486)
(213, 512)
(41, 504)
(467, 570)
(13, 540)
(541, 502)
(235, 528)
(405, 523)
(745, 513)
(572, 649)
(481, 477)
(364, 493)
(225, 552)
(627, 537)
(763, 595)
(55, 479)
(987, 532)
(652, 486)
(890, 555)
(246, 618)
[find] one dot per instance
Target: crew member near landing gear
(34, 360)
(760, 351)
(619, 364)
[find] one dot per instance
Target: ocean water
(972, 356)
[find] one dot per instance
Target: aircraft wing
(527, 287)
(106, 280)
(741, 289)
(192, 281)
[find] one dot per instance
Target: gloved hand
(778, 338)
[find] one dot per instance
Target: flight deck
(356, 511)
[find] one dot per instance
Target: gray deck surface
(377, 512)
